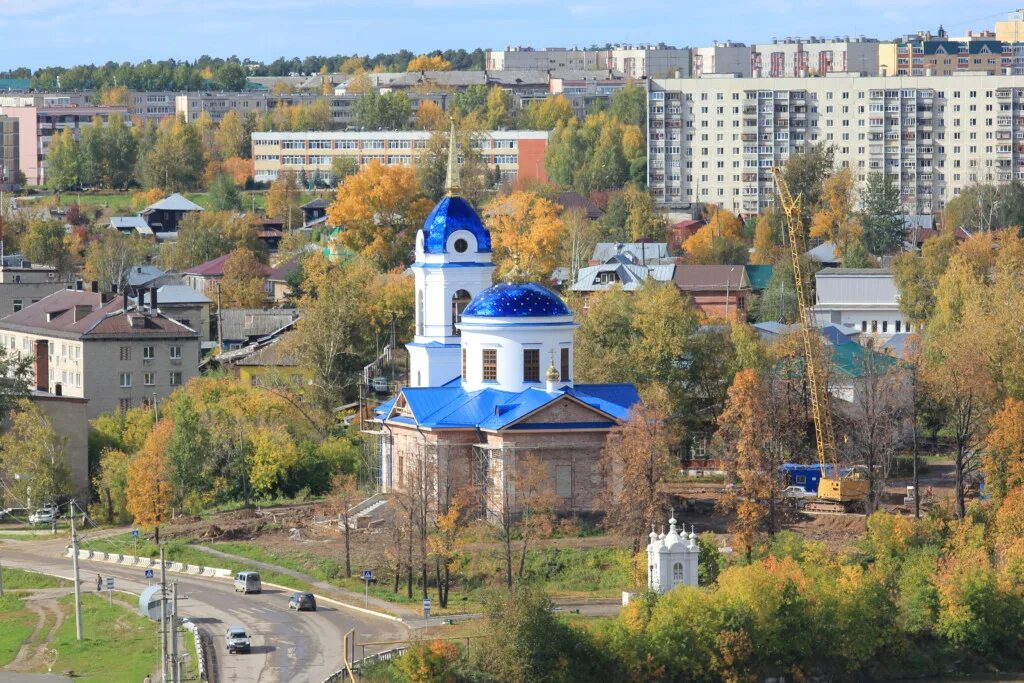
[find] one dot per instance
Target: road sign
(149, 573)
(367, 575)
(110, 583)
(426, 608)
(135, 533)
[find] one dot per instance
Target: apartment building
(23, 283)
(9, 159)
(717, 139)
(102, 347)
(39, 121)
(635, 61)
(217, 104)
(940, 55)
(515, 153)
(788, 57)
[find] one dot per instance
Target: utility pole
(163, 616)
(74, 563)
(176, 667)
(220, 321)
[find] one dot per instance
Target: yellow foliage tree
(352, 65)
(721, 224)
(114, 96)
(149, 485)
(141, 200)
(380, 207)
(242, 284)
(272, 453)
(525, 232)
(765, 246)
(430, 116)
(359, 84)
(837, 220)
(429, 63)
(229, 139)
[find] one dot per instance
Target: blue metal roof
(507, 300)
(451, 214)
(452, 407)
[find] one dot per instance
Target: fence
(201, 652)
(148, 562)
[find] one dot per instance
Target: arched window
(419, 312)
(677, 573)
(460, 300)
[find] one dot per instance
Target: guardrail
(200, 647)
(386, 656)
(149, 562)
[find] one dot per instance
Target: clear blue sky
(38, 33)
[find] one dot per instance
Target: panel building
(788, 57)
(515, 153)
(717, 139)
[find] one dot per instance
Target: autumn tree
(917, 276)
(176, 160)
(202, 235)
(430, 116)
(720, 224)
(752, 454)
(111, 486)
(149, 486)
(114, 96)
(631, 216)
(242, 285)
(475, 178)
(32, 456)
(500, 103)
(525, 230)
(284, 199)
(230, 138)
(835, 219)
(64, 163)
(111, 257)
(381, 208)
(428, 63)
(634, 462)
(1003, 459)
(577, 240)
(446, 543)
(548, 113)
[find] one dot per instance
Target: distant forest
(171, 74)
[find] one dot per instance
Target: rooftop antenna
(451, 183)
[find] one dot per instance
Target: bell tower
(453, 265)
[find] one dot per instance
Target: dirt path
(35, 654)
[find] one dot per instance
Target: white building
(672, 559)
(865, 299)
(717, 139)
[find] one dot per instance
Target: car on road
(379, 385)
(238, 640)
(13, 514)
(42, 516)
(248, 582)
(302, 601)
(796, 492)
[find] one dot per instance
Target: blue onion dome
(451, 214)
(516, 300)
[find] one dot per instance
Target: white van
(248, 582)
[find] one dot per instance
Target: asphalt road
(286, 645)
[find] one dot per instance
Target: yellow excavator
(836, 493)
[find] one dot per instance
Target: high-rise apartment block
(717, 139)
(9, 162)
(788, 57)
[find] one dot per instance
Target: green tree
(231, 76)
(341, 168)
(176, 161)
(883, 221)
(111, 257)
(471, 101)
(47, 242)
(917, 276)
(390, 111)
(223, 194)
(202, 235)
(32, 456)
(64, 163)
(629, 105)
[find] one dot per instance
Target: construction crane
(836, 493)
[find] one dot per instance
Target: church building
(491, 381)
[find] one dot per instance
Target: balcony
(1004, 94)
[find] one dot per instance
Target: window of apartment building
(175, 379)
(490, 364)
(126, 353)
(175, 353)
(531, 365)
(126, 380)
(147, 353)
(148, 379)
